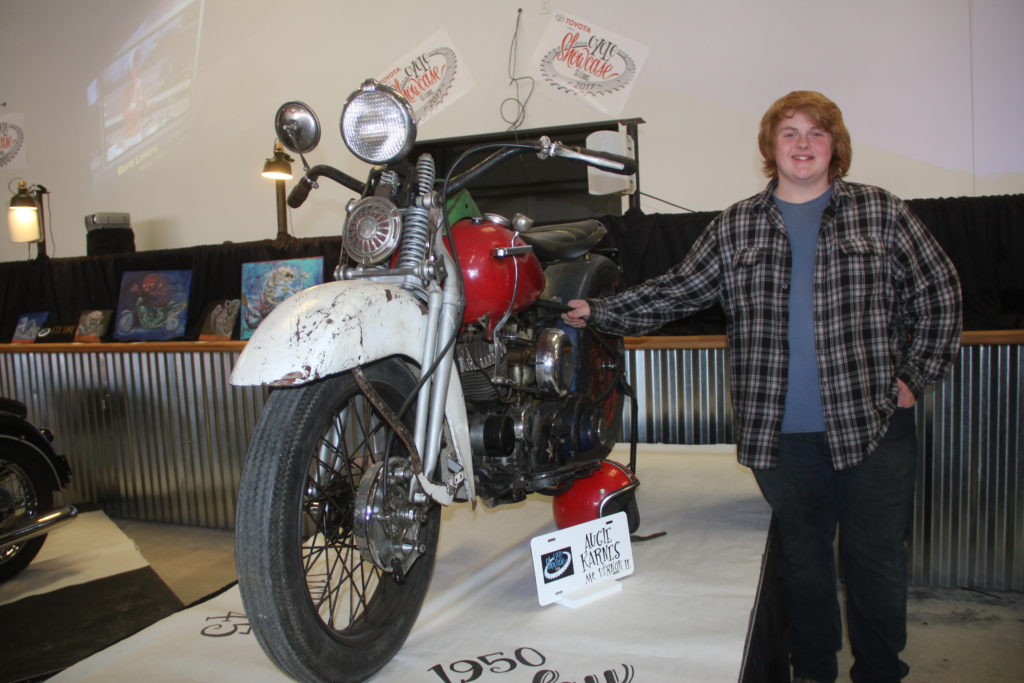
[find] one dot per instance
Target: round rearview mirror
(297, 127)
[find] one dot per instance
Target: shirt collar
(841, 193)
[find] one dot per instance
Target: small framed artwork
(28, 327)
(219, 320)
(60, 331)
(93, 326)
(265, 284)
(152, 305)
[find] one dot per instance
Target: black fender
(18, 433)
(587, 278)
(595, 275)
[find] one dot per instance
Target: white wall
(931, 89)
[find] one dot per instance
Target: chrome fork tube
(444, 317)
(427, 357)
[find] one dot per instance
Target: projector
(107, 219)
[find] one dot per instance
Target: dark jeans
(872, 505)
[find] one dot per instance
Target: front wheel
(334, 554)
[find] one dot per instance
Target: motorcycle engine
(499, 370)
(524, 419)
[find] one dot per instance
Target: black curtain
(984, 236)
(65, 287)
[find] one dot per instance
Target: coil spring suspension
(416, 234)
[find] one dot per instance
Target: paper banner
(12, 141)
(580, 58)
(431, 76)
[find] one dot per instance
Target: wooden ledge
(709, 341)
(125, 347)
(718, 341)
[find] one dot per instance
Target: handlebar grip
(299, 193)
(606, 161)
(614, 163)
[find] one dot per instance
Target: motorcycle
(433, 370)
(30, 472)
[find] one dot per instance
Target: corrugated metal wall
(161, 436)
(150, 435)
(969, 514)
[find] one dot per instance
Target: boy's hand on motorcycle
(576, 316)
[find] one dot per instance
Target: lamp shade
(23, 216)
(279, 166)
(277, 169)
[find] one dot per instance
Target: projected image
(146, 91)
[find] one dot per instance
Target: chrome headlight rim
(378, 124)
(372, 230)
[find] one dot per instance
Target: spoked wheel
(24, 491)
(334, 555)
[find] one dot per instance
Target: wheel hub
(387, 525)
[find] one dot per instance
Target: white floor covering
(683, 614)
(89, 547)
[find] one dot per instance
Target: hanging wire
(518, 81)
(665, 201)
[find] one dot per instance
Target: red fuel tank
(490, 280)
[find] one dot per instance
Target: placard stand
(589, 594)
(583, 563)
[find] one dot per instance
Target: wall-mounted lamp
(279, 166)
(279, 169)
(25, 219)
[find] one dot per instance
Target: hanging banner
(431, 76)
(578, 57)
(12, 141)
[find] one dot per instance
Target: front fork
(444, 318)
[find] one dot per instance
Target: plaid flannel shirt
(887, 306)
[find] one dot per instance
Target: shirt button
(784, 287)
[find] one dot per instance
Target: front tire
(321, 608)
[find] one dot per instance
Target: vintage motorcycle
(30, 472)
(433, 370)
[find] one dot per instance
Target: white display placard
(580, 564)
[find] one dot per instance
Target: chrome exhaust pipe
(37, 526)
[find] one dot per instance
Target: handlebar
(606, 161)
(301, 190)
(545, 148)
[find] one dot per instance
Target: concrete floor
(194, 562)
(955, 635)
(960, 636)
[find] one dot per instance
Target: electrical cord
(520, 104)
(665, 201)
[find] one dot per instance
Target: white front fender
(336, 326)
(330, 328)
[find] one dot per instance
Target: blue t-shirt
(803, 412)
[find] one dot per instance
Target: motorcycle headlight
(371, 230)
(377, 124)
